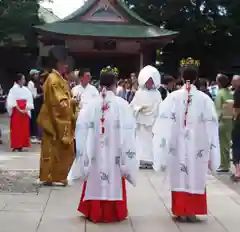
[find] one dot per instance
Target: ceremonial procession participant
(19, 105)
(186, 143)
(145, 106)
(57, 121)
(105, 142)
(84, 90)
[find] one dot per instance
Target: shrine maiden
(105, 143)
(19, 105)
(145, 106)
(186, 142)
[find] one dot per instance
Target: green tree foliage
(208, 29)
(16, 20)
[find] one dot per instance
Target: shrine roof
(100, 29)
(89, 4)
(104, 18)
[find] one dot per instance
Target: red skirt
(20, 127)
(104, 211)
(187, 204)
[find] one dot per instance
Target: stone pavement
(50, 209)
(54, 209)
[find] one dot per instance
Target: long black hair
(108, 79)
(190, 74)
(18, 77)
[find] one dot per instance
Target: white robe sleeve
(135, 104)
(212, 129)
(10, 102)
(163, 133)
(82, 162)
(128, 164)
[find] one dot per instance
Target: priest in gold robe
(57, 120)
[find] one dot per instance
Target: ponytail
(188, 89)
(103, 109)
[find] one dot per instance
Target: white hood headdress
(149, 72)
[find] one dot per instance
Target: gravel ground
(14, 181)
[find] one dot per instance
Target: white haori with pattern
(103, 159)
(185, 151)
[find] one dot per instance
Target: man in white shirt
(84, 91)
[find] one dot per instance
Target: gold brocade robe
(57, 119)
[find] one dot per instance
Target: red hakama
(188, 204)
(104, 211)
(20, 127)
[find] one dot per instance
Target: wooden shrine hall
(105, 32)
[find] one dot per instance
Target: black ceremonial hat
(58, 53)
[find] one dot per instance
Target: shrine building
(105, 32)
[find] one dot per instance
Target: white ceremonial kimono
(86, 94)
(185, 151)
(145, 117)
(19, 93)
(102, 160)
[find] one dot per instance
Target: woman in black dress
(236, 136)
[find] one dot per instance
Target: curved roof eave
(103, 30)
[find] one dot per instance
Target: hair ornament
(189, 62)
(110, 69)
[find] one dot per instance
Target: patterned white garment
(145, 106)
(186, 151)
(103, 159)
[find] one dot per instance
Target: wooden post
(141, 60)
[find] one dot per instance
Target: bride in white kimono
(186, 143)
(106, 156)
(145, 105)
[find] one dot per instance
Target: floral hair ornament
(110, 69)
(189, 62)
